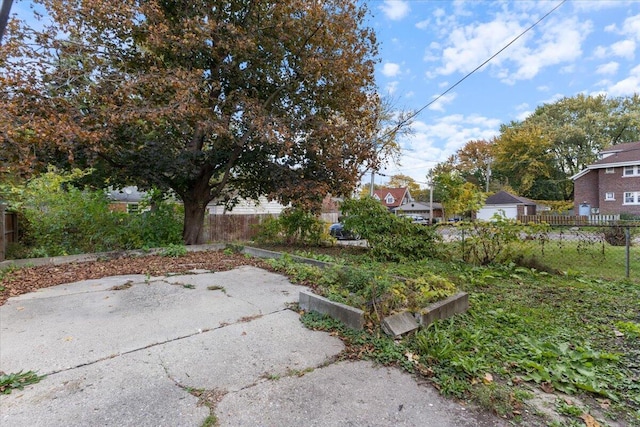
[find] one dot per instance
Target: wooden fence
(570, 220)
(231, 228)
(8, 230)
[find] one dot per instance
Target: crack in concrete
(135, 350)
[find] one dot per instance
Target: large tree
(539, 155)
(213, 99)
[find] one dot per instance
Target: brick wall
(618, 185)
(585, 189)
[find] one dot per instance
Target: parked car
(338, 231)
(417, 219)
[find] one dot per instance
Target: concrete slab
(128, 357)
(247, 352)
(344, 394)
(117, 392)
(455, 304)
(83, 327)
(399, 323)
(352, 317)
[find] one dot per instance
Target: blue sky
(589, 47)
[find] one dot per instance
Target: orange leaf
(589, 421)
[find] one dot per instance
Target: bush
(294, 226)
(61, 219)
(390, 237)
(485, 242)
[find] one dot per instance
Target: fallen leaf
(547, 387)
(488, 378)
(589, 421)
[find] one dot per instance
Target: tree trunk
(194, 211)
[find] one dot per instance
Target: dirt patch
(29, 279)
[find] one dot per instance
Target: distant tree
(523, 156)
(400, 180)
(538, 155)
(474, 161)
(213, 99)
(458, 197)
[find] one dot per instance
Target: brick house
(393, 197)
(611, 185)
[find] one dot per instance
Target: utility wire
(411, 116)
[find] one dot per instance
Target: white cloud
(627, 86)
(395, 9)
(593, 6)
(560, 43)
(442, 101)
(625, 49)
(471, 45)
(555, 42)
(608, 68)
(392, 87)
(600, 52)
(390, 69)
(631, 26)
(522, 116)
(423, 24)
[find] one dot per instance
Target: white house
(249, 207)
(507, 205)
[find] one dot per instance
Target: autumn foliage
(213, 99)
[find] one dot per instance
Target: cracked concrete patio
(137, 351)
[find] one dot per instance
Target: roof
(627, 154)
(504, 198)
(619, 153)
(417, 206)
(397, 194)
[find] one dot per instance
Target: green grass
(574, 331)
(593, 260)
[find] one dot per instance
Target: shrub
(61, 219)
(390, 237)
(485, 242)
(294, 226)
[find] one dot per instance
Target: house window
(609, 170)
(632, 198)
(389, 199)
(631, 170)
(609, 196)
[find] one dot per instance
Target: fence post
(627, 239)
(3, 237)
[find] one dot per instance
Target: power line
(412, 115)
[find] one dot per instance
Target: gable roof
(398, 195)
(619, 153)
(504, 198)
(627, 154)
(417, 206)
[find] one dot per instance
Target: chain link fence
(609, 251)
